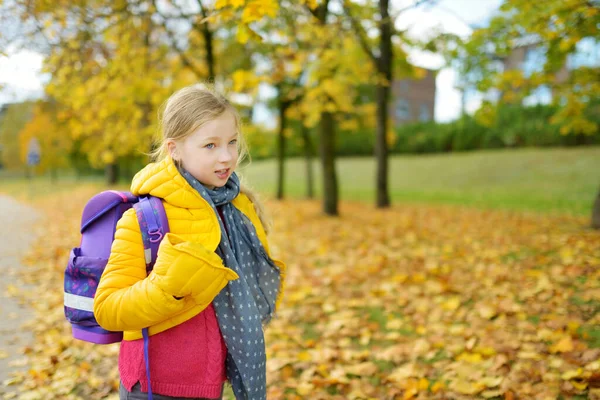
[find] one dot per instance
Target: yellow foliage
(420, 73)
(310, 3)
(391, 137)
(50, 134)
(255, 10)
(486, 115)
(244, 81)
(219, 4)
(348, 125)
(243, 34)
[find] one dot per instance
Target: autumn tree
(327, 120)
(298, 117)
(330, 83)
(284, 54)
(13, 117)
(280, 56)
(55, 145)
(558, 29)
(113, 63)
(381, 52)
(316, 70)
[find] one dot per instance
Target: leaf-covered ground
(424, 302)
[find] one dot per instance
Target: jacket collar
(162, 179)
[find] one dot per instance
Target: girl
(214, 283)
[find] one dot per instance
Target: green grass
(556, 180)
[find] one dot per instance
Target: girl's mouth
(222, 173)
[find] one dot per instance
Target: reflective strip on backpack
(79, 302)
(148, 255)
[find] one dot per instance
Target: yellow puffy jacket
(128, 300)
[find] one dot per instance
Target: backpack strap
(154, 226)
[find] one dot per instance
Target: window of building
(535, 58)
(402, 109)
(424, 112)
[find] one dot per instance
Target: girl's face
(210, 153)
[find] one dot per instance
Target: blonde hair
(188, 109)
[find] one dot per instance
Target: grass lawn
(557, 180)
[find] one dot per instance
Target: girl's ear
(172, 149)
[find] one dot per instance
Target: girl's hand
(189, 269)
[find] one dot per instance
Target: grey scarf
(247, 303)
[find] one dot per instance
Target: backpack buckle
(155, 232)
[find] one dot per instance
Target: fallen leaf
(486, 311)
(465, 387)
(305, 388)
(564, 345)
(488, 394)
(573, 373)
(473, 358)
(451, 304)
(401, 373)
(490, 382)
(363, 369)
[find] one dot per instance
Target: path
(16, 236)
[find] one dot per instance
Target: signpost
(34, 153)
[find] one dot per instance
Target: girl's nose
(225, 155)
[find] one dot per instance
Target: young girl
(214, 283)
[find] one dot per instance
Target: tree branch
(360, 34)
(184, 58)
(320, 12)
(202, 9)
(417, 4)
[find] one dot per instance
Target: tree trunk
(308, 152)
(383, 95)
(381, 151)
(281, 149)
(146, 106)
(210, 57)
(327, 139)
(327, 150)
(596, 212)
(111, 173)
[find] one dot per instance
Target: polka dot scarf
(247, 303)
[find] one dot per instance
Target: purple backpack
(87, 262)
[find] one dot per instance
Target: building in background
(413, 100)
(529, 56)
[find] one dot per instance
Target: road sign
(34, 152)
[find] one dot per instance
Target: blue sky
(20, 73)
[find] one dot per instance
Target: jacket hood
(162, 179)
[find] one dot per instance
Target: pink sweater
(187, 360)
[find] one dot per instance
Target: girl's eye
(210, 145)
(234, 141)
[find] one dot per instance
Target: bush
(516, 126)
